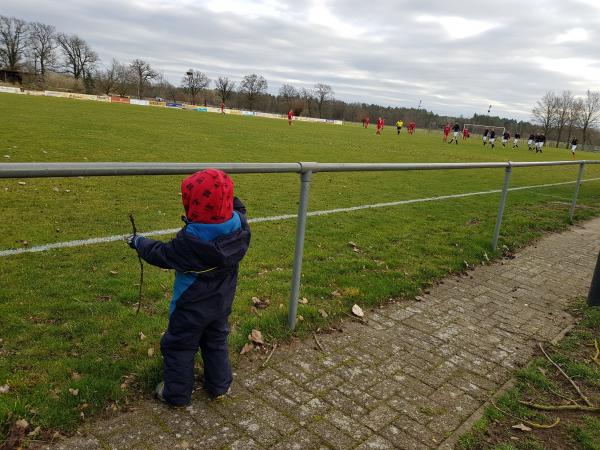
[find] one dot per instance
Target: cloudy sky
(458, 57)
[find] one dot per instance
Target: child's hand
(131, 240)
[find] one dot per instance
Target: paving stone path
(415, 376)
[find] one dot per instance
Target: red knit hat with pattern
(208, 196)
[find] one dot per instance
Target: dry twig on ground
(540, 426)
(581, 394)
(318, 343)
(270, 354)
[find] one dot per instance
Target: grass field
(67, 317)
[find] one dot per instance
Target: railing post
(305, 178)
(503, 196)
(594, 294)
(576, 193)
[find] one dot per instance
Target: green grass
(72, 310)
(539, 382)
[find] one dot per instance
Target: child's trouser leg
(215, 355)
(179, 348)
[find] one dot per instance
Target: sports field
(67, 316)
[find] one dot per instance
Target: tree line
(566, 116)
(50, 59)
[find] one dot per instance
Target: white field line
(120, 237)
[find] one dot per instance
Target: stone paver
(408, 379)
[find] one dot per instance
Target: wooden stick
(581, 394)
(318, 343)
(531, 424)
(595, 358)
(141, 266)
(269, 357)
(561, 407)
(358, 319)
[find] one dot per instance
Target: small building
(11, 76)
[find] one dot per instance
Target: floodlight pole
(305, 178)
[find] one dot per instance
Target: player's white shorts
(530, 142)
(515, 141)
(455, 134)
(539, 145)
(484, 138)
(573, 148)
(504, 141)
(492, 140)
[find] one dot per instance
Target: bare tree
(544, 112)
(564, 105)
(308, 97)
(143, 73)
(107, 78)
(590, 114)
(194, 82)
(573, 118)
(323, 93)
(252, 86)
(288, 93)
(124, 78)
(13, 42)
(80, 59)
(42, 46)
(224, 88)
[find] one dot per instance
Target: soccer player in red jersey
(465, 133)
(290, 117)
(379, 125)
(222, 108)
(446, 132)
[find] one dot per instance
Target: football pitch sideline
(67, 315)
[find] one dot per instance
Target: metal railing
(304, 169)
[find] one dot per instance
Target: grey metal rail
(306, 171)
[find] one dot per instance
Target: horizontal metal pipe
(42, 170)
(373, 167)
(70, 169)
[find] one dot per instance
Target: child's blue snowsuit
(206, 258)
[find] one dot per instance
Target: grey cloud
(394, 61)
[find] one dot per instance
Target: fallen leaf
(260, 303)
(256, 337)
(521, 426)
(4, 389)
(76, 376)
(113, 272)
(150, 352)
(303, 300)
(74, 392)
(253, 310)
(247, 348)
(336, 294)
(22, 183)
(35, 432)
(357, 311)
(300, 318)
(104, 298)
(142, 336)
(352, 244)
(323, 313)
(22, 424)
